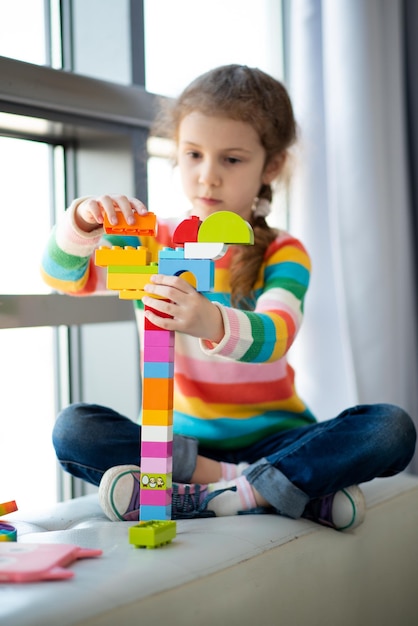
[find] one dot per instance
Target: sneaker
(119, 493)
(190, 501)
(343, 510)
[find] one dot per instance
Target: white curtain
(350, 204)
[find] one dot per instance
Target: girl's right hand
(89, 213)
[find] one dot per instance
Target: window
(22, 30)
(83, 131)
(178, 48)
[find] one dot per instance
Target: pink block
(158, 354)
(158, 338)
(156, 449)
(157, 466)
(159, 497)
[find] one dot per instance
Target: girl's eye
(232, 160)
(193, 155)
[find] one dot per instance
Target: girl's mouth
(209, 201)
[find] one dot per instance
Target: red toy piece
(186, 231)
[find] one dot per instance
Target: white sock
(232, 470)
(230, 502)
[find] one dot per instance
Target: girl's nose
(209, 174)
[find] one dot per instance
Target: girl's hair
(248, 95)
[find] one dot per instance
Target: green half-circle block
(225, 227)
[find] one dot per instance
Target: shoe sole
(107, 487)
(358, 503)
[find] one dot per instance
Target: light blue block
(148, 512)
(202, 270)
(171, 253)
(158, 369)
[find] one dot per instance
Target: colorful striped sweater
(227, 395)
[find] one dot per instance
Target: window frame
(75, 106)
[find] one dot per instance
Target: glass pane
(165, 198)
(27, 459)
(22, 30)
(25, 213)
(208, 33)
(250, 32)
(101, 39)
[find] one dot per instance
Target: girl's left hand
(190, 311)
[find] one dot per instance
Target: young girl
(244, 441)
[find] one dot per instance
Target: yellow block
(122, 256)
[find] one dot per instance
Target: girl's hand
(89, 213)
(190, 311)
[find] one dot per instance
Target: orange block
(157, 393)
(145, 224)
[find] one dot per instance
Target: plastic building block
(154, 512)
(187, 230)
(225, 227)
(155, 338)
(131, 294)
(202, 269)
(157, 433)
(160, 353)
(137, 294)
(161, 466)
(157, 397)
(157, 417)
(197, 245)
(149, 325)
(156, 497)
(158, 369)
(155, 450)
(171, 253)
(134, 269)
(116, 255)
(28, 562)
(118, 281)
(198, 250)
(156, 480)
(145, 224)
(7, 532)
(157, 393)
(8, 507)
(152, 533)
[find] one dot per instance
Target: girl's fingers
(111, 204)
(172, 282)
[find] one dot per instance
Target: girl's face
(222, 164)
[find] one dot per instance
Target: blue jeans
(288, 468)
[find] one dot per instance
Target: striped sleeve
(67, 264)
(266, 334)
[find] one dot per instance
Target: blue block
(202, 270)
(171, 253)
(148, 512)
(158, 369)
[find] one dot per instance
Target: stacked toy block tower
(198, 243)
(157, 423)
